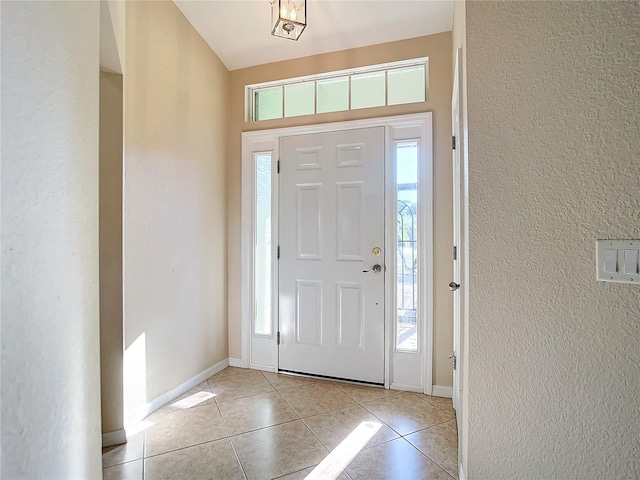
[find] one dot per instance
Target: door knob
(453, 286)
(376, 269)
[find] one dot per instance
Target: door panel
(458, 236)
(331, 318)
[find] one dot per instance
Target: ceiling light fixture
(288, 18)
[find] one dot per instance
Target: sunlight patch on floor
(138, 427)
(345, 452)
(193, 400)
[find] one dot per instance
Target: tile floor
(252, 425)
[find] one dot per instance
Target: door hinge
(278, 253)
(452, 356)
(455, 252)
(453, 142)
(278, 338)
(278, 166)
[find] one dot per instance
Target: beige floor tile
(329, 468)
(259, 411)
(361, 393)
(125, 471)
(198, 395)
(406, 413)
(183, 428)
(443, 403)
(215, 460)
(354, 425)
(453, 424)
(440, 444)
(279, 450)
(232, 371)
(282, 381)
(394, 460)
(132, 450)
(317, 398)
(230, 387)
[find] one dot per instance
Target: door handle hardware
(453, 286)
(455, 359)
(375, 269)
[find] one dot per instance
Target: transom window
(374, 86)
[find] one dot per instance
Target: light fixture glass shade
(288, 18)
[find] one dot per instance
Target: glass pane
(299, 99)
(267, 103)
(407, 85)
(407, 256)
(333, 95)
(367, 90)
(263, 254)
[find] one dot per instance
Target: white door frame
(461, 188)
(397, 128)
(458, 227)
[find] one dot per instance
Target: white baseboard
(174, 393)
(237, 362)
(117, 437)
(440, 391)
(461, 474)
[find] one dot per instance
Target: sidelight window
(263, 256)
(406, 156)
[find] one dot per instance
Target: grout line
(123, 463)
(244, 396)
(224, 422)
(432, 404)
(184, 448)
(290, 406)
(276, 478)
(433, 460)
(235, 435)
(329, 452)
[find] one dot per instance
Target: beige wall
(175, 250)
(554, 165)
(50, 392)
(110, 212)
(438, 49)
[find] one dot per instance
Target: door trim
(462, 340)
(395, 128)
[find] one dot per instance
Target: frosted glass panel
(299, 99)
(333, 95)
(363, 87)
(407, 85)
(368, 90)
(263, 255)
(268, 103)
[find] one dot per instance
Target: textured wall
(111, 320)
(50, 391)
(174, 202)
(438, 49)
(554, 154)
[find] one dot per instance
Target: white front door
(331, 318)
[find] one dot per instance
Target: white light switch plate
(617, 261)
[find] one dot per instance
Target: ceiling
(240, 34)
